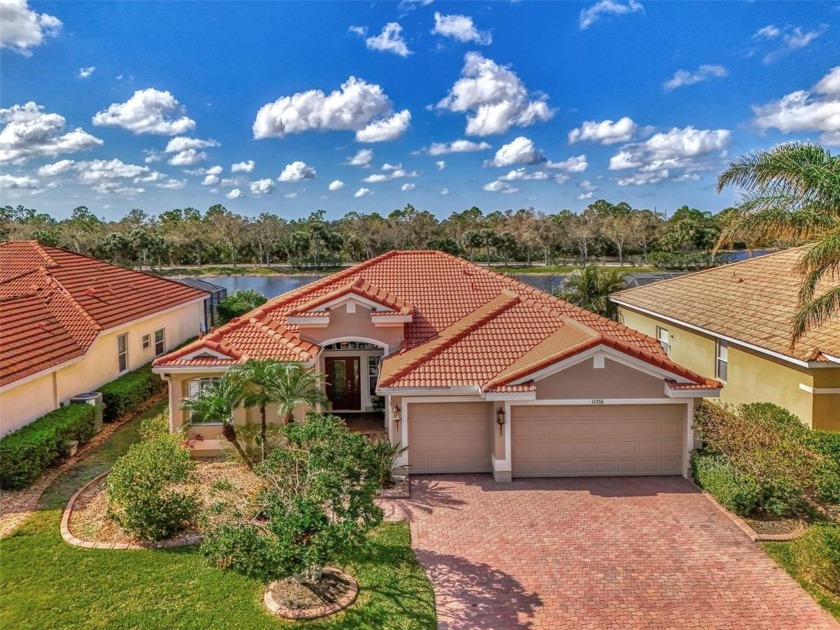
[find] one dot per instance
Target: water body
(272, 286)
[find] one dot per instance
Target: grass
(562, 269)
(45, 583)
(799, 558)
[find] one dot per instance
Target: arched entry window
(352, 345)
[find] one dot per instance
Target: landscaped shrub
(733, 490)
(155, 426)
(26, 453)
(817, 555)
(241, 302)
(129, 391)
(142, 498)
(768, 444)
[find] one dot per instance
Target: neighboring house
(734, 321)
(211, 305)
(69, 323)
(480, 372)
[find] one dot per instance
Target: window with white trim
(722, 360)
(147, 342)
(160, 342)
(196, 387)
(664, 339)
(122, 352)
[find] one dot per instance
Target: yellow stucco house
(734, 322)
(70, 323)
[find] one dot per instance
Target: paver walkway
(645, 552)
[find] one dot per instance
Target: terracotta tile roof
(54, 303)
(751, 301)
(470, 326)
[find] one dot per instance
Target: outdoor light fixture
(500, 418)
(396, 414)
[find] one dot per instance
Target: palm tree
(215, 403)
(260, 379)
(298, 385)
(792, 192)
(590, 288)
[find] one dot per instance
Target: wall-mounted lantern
(396, 414)
(500, 419)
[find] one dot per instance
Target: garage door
(562, 441)
(449, 437)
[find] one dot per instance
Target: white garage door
(449, 437)
(571, 441)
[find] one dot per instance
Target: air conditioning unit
(91, 398)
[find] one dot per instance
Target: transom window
(722, 362)
(122, 352)
(160, 342)
(664, 339)
(351, 345)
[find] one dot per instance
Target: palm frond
(816, 312)
(820, 261)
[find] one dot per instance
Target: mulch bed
(400, 489)
(771, 524)
(306, 595)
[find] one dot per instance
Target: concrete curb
(276, 608)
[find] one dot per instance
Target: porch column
(500, 458)
(689, 437)
(175, 413)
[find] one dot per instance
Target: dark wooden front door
(343, 383)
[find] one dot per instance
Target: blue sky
(358, 106)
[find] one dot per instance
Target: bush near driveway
(767, 445)
(26, 453)
(735, 491)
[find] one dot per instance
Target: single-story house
(735, 322)
(479, 372)
(70, 323)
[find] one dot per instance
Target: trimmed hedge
(26, 453)
(126, 393)
(735, 491)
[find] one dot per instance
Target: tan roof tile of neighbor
(54, 303)
(469, 325)
(751, 301)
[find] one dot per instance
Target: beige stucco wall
(357, 325)
(22, 404)
(614, 380)
(752, 376)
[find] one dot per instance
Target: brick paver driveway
(645, 552)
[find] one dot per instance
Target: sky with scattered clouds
(289, 107)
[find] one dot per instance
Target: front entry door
(343, 383)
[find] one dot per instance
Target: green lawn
(799, 557)
(45, 583)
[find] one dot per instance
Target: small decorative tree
(261, 380)
(295, 386)
(318, 505)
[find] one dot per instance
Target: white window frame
(147, 342)
(162, 342)
(664, 339)
(122, 353)
(722, 359)
(195, 387)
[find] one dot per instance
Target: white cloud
(173, 184)
(703, 73)
(391, 167)
(30, 133)
(362, 158)
(98, 171)
(444, 192)
(297, 171)
(236, 193)
(23, 28)
(291, 195)
(587, 186)
(604, 132)
(242, 167)
(790, 37)
(663, 154)
(385, 129)
(57, 168)
(574, 164)
(389, 40)
(187, 157)
(394, 172)
(407, 186)
(494, 98)
(520, 150)
(460, 27)
(182, 143)
(521, 174)
(803, 111)
(262, 186)
(585, 196)
(441, 164)
(376, 178)
(592, 14)
(147, 111)
(210, 180)
(353, 107)
(362, 192)
(23, 182)
(336, 184)
(500, 186)
(456, 146)
(84, 73)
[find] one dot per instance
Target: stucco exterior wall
(752, 376)
(356, 325)
(22, 404)
(614, 380)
